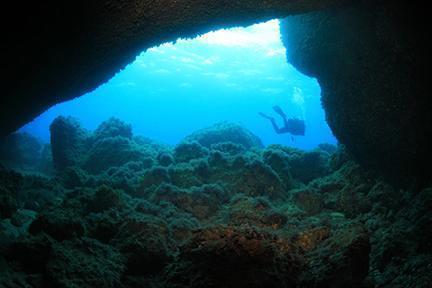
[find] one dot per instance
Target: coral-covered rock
(68, 142)
(225, 132)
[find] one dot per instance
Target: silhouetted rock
(68, 142)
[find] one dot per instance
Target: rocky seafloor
(106, 208)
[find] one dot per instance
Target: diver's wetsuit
(293, 126)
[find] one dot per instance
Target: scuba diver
(293, 126)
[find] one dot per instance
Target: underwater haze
(177, 88)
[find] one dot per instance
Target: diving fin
(264, 115)
(278, 110)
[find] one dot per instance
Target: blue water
(228, 75)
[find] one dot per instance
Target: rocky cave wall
(52, 52)
(370, 61)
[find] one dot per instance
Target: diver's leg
(275, 127)
(279, 111)
(265, 116)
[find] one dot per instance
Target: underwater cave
(162, 168)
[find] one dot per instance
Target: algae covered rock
(153, 178)
(111, 152)
(143, 240)
(258, 212)
(111, 128)
(225, 132)
(278, 160)
(68, 142)
(165, 159)
(228, 147)
(131, 212)
(184, 175)
(59, 223)
(303, 165)
(202, 202)
(74, 176)
(10, 183)
(186, 151)
(258, 179)
(31, 253)
(84, 263)
(342, 260)
(106, 198)
(229, 256)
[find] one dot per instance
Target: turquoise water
(228, 75)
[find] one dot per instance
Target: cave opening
(99, 205)
(174, 89)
